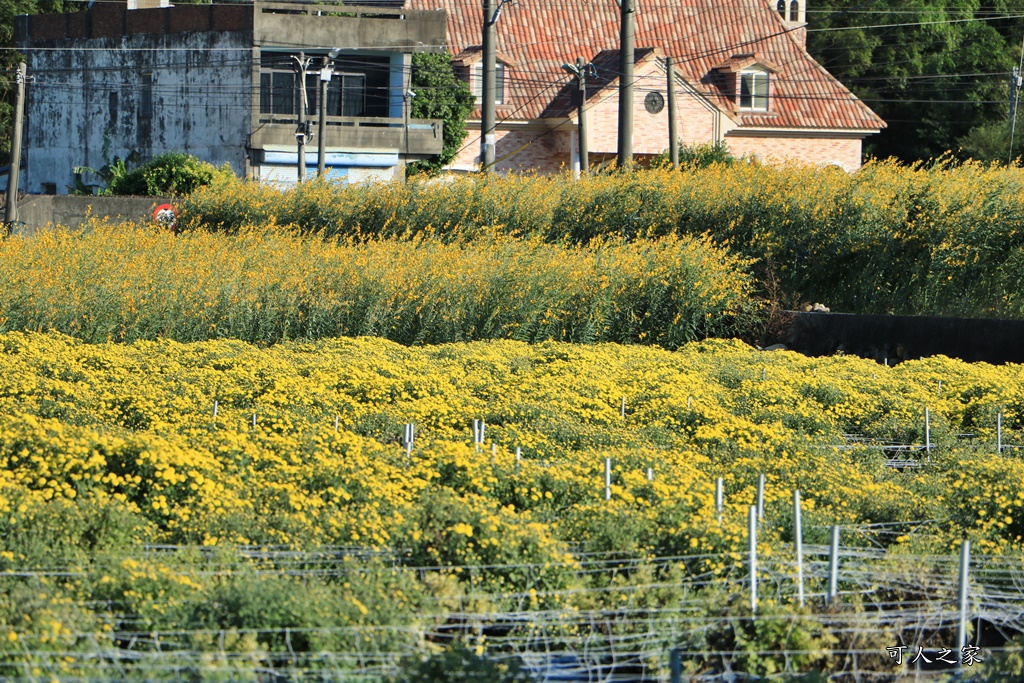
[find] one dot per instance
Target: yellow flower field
(223, 445)
(125, 282)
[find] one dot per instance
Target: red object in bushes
(166, 216)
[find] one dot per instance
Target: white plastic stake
(928, 433)
(999, 433)
(519, 458)
(494, 449)
(760, 497)
(798, 542)
(335, 423)
(961, 631)
(650, 474)
(833, 566)
(719, 498)
(215, 406)
(607, 478)
(254, 419)
(623, 409)
(689, 402)
(752, 536)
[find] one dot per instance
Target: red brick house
(743, 76)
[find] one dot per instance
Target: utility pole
(626, 57)
(673, 135)
(579, 70)
(487, 90)
(302, 132)
(1016, 81)
(326, 71)
(11, 213)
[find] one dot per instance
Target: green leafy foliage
(997, 141)
(440, 95)
(933, 69)
(697, 156)
(463, 664)
(172, 173)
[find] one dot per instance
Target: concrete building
(742, 73)
(221, 81)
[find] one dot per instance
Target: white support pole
(760, 497)
(622, 411)
(928, 433)
(650, 474)
(719, 498)
(607, 478)
(752, 536)
(833, 566)
(254, 419)
(335, 423)
(961, 631)
(798, 542)
(999, 433)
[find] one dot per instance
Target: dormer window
(754, 89)
(477, 82)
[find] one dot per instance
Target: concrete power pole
(11, 213)
(301, 133)
(626, 41)
(581, 114)
(326, 72)
(488, 90)
(579, 70)
(673, 135)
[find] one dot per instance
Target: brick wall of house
(845, 152)
(551, 152)
(695, 124)
(543, 151)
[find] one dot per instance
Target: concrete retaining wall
(40, 211)
(897, 338)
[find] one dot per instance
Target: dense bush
(171, 173)
(937, 239)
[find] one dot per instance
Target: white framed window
(477, 82)
(754, 90)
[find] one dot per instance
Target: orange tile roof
(541, 35)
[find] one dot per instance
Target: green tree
(933, 69)
(440, 94)
(991, 142)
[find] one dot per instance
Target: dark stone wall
(36, 212)
(900, 337)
